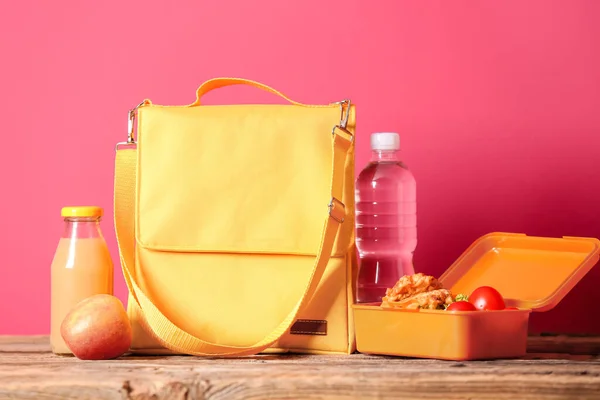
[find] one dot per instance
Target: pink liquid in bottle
(386, 219)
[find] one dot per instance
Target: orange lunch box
(532, 274)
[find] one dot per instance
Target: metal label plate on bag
(309, 327)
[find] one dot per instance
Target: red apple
(97, 328)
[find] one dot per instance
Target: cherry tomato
(487, 298)
(461, 306)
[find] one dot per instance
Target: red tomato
(487, 298)
(461, 306)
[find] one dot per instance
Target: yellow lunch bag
(235, 226)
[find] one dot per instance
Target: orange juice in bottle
(81, 267)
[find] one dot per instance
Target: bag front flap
(238, 179)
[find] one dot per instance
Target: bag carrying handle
(155, 322)
(217, 83)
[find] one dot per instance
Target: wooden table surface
(558, 368)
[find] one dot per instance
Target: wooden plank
(29, 371)
(564, 344)
(536, 344)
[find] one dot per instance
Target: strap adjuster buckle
(337, 210)
(346, 134)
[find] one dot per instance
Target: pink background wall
(498, 104)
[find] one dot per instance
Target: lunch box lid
(530, 272)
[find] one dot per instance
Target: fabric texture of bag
(235, 226)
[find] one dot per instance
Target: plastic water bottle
(386, 219)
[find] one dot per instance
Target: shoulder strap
(156, 323)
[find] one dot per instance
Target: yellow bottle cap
(84, 211)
